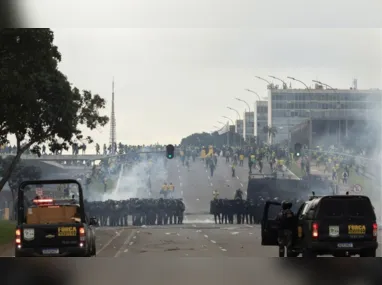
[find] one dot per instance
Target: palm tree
(270, 131)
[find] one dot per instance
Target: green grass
(7, 232)
(293, 167)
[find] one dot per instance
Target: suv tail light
(375, 230)
(82, 234)
(18, 237)
(315, 230)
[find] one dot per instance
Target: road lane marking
(209, 178)
(179, 177)
(223, 249)
(131, 243)
(241, 184)
(181, 193)
(212, 241)
(237, 177)
(126, 250)
(117, 234)
(206, 236)
(180, 184)
(211, 185)
(127, 241)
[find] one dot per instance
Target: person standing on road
(286, 227)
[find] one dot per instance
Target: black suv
(341, 225)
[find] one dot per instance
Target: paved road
(199, 236)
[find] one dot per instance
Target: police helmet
(286, 205)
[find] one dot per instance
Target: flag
(224, 129)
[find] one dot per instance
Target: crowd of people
(138, 212)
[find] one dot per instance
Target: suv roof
(353, 205)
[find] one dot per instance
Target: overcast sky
(171, 82)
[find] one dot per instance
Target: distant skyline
(170, 83)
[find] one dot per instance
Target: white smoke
(133, 182)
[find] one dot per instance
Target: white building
(290, 107)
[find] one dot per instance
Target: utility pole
(113, 130)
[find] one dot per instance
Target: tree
(21, 173)
(270, 131)
(37, 103)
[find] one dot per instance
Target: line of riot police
(142, 211)
(248, 211)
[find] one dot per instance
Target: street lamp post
(227, 132)
(233, 135)
(285, 86)
(249, 111)
(238, 114)
(326, 85)
(258, 77)
(249, 90)
(294, 79)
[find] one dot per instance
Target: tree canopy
(37, 102)
(205, 139)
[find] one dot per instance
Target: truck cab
(52, 226)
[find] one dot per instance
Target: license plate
(67, 232)
(345, 245)
(50, 251)
(356, 229)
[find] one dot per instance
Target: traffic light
(170, 149)
(297, 149)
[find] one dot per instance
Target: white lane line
(206, 170)
(126, 250)
(211, 185)
(181, 193)
(237, 177)
(131, 243)
(223, 249)
(180, 184)
(127, 241)
(179, 170)
(117, 234)
(209, 178)
(212, 241)
(241, 184)
(206, 236)
(179, 177)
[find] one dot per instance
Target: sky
(175, 75)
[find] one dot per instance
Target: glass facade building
(290, 107)
(249, 125)
(240, 127)
(261, 120)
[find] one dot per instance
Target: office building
(240, 127)
(333, 112)
(261, 121)
(249, 125)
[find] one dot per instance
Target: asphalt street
(199, 236)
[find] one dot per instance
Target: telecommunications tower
(113, 130)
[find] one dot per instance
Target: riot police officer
(286, 219)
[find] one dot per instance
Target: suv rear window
(348, 207)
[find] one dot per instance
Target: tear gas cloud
(360, 138)
(133, 181)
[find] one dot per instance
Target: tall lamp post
(285, 86)
(249, 111)
(233, 135)
(238, 114)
